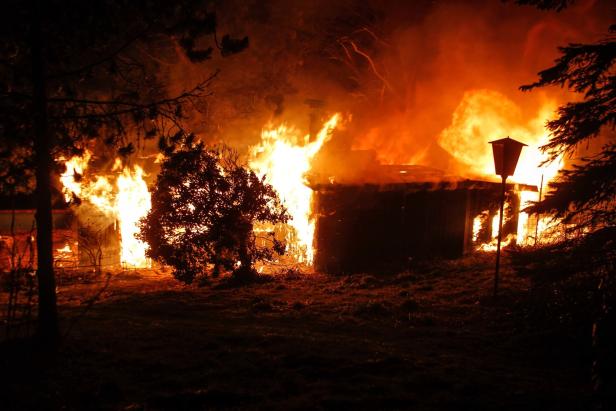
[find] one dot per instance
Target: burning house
(354, 215)
(357, 214)
(107, 203)
(356, 126)
(401, 213)
(17, 229)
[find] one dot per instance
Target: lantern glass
(506, 152)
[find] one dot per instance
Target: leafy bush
(204, 206)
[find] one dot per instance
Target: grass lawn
(429, 339)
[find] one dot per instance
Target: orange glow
(476, 227)
(125, 201)
(132, 203)
(66, 255)
(284, 157)
(485, 115)
(70, 180)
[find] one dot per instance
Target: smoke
(456, 48)
(396, 70)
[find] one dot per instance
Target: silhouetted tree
(204, 207)
(74, 71)
(557, 5)
(584, 195)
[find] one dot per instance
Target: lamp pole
(500, 234)
(506, 153)
(537, 225)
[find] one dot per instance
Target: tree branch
(187, 94)
(93, 64)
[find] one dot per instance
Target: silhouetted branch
(98, 62)
(557, 5)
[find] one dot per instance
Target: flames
(71, 179)
(284, 157)
(485, 115)
(126, 200)
(132, 203)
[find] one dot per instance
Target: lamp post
(506, 153)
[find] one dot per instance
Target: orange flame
(126, 201)
(74, 167)
(132, 203)
(485, 115)
(284, 158)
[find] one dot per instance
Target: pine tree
(585, 194)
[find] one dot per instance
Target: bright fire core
(485, 115)
(284, 157)
(126, 201)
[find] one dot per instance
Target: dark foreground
(430, 339)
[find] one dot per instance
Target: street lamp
(506, 153)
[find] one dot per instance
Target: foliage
(586, 192)
(580, 271)
(560, 261)
(204, 206)
(557, 5)
(574, 289)
(106, 64)
(76, 73)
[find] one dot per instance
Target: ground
(431, 338)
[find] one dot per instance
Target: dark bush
(204, 206)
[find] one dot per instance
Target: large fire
(485, 115)
(132, 204)
(126, 201)
(284, 157)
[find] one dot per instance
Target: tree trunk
(245, 270)
(47, 316)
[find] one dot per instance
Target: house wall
(20, 250)
(369, 228)
(25, 220)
